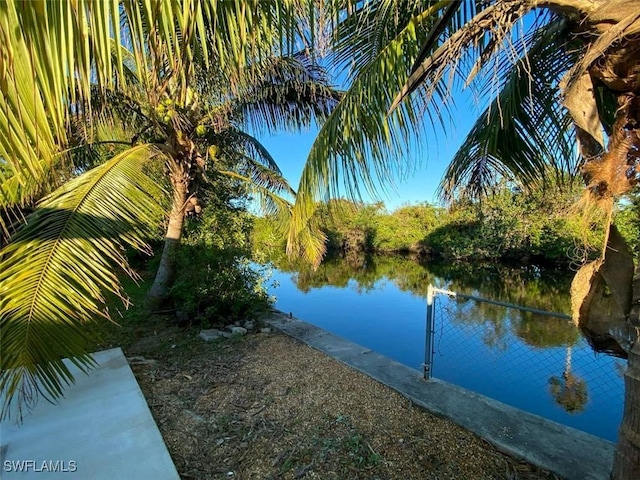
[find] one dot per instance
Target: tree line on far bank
(507, 225)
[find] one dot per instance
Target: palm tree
(557, 73)
(569, 391)
(158, 66)
(288, 92)
(601, 95)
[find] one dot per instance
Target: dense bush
(215, 281)
(627, 219)
(507, 225)
(217, 287)
(405, 229)
(349, 226)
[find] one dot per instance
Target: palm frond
(269, 202)
(55, 271)
(480, 39)
(525, 134)
(288, 92)
(252, 160)
(114, 123)
(367, 27)
(435, 31)
(357, 148)
(264, 177)
(30, 124)
(172, 36)
(249, 146)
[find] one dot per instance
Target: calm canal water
(537, 363)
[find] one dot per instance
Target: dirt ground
(265, 406)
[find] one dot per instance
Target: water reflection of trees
(530, 286)
(488, 320)
(543, 332)
(364, 273)
(569, 391)
(496, 325)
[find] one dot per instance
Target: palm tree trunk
(626, 464)
(166, 269)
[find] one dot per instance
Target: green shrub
(627, 219)
(216, 283)
(514, 226)
(216, 287)
(265, 239)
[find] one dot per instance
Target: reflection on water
(537, 363)
(569, 390)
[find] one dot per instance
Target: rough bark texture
(185, 167)
(166, 269)
(621, 74)
(617, 270)
(610, 30)
(626, 464)
(181, 179)
(602, 13)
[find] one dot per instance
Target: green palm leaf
(289, 92)
(55, 272)
(29, 124)
(51, 52)
(260, 185)
(358, 147)
(252, 160)
(369, 27)
(249, 146)
(525, 134)
(467, 50)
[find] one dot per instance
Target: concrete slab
(570, 453)
(102, 429)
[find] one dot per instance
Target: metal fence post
(428, 347)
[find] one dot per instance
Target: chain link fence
(532, 359)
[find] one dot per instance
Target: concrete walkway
(102, 429)
(568, 452)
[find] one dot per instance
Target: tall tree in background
(556, 73)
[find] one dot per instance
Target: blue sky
(290, 152)
(437, 149)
